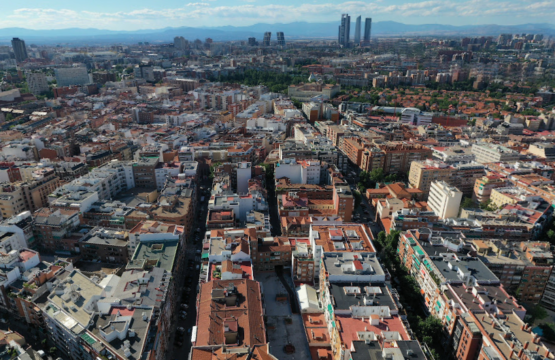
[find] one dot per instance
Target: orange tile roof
(248, 314)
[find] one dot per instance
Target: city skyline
(213, 13)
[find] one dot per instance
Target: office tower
(267, 38)
(252, 41)
(280, 38)
(367, 30)
(357, 31)
(344, 30)
(19, 49)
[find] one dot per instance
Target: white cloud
(206, 12)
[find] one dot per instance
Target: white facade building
(244, 172)
(444, 199)
(299, 172)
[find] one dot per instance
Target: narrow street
(188, 289)
(273, 210)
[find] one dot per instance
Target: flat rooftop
(454, 267)
(347, 295)
(122, 318)
(159, 254)
(352, 264)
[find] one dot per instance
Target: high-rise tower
(367, 31)
(344, 30)
(19, 49)
(267, 38)
(357, 31)
(280, 38)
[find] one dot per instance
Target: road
(190, 282)
(273, 210)
(364, 205)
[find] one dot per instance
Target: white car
(184, 306)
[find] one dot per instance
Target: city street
(190, 281)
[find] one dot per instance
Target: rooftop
(363, 294)
(160, 254)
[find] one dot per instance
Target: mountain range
(294, 30)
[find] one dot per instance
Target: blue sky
(143, 14)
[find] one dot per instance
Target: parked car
(181, 330)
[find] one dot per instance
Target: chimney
(526, 344)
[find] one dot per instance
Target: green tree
(551, 235)
(537, 313)
(52, 350)
(467, 203)
(377, 175)
(381, 239)
(430, 330)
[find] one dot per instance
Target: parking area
(283, 327)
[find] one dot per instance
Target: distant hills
(294, 30)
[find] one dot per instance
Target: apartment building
(144, 172)
(511, 195)
(423, 173)
(399, 156)
(462, 176)
(218, 306)
(37, 83)
(523, 268)
(106, 245)
(444, 199)
(54, 228)
(338, 238)
(353, 148)
(72, 76)
(484, 185)
(491, 153)
(27, 195)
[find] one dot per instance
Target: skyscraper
(19, 49)
(367, 31)
(344, 30)
(357, 31)
(267, 38)
(280, 38)
(252, 41)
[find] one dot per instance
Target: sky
(143, 14)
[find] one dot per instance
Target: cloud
(207, 12)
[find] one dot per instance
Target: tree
(52, 350)
(380, 241)
(537, 313)
(376, 175)
(551, 235)
(9, 117)
(430, 330)
(467, 203)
